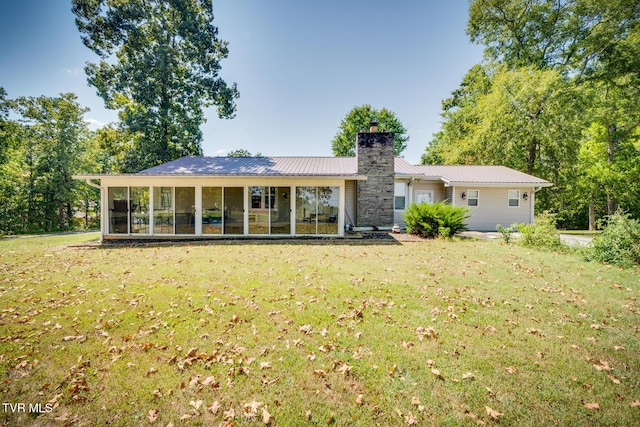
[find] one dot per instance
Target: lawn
(422, 333)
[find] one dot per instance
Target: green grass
(316, 334)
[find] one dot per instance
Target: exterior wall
(374, 197)
(350, 202)
(493, 207)
(198, 183)
(436, 186)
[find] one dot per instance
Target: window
(139, 210)
(514, 198)
(118, 210)
(317, 210)
(212, 210)
(163, 210)
(424, 196)
(400, 196)
(473, 197)
(185, 210)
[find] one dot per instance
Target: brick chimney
(375, 157)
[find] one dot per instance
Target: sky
(300, 66)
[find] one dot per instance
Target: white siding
(436, 186)
(350, 202)
(493, 208)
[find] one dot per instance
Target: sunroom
(240, 198)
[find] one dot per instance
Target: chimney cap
(373, 126)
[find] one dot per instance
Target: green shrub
(507, 232)
(435, 219)
(542, 233)
(619, 242)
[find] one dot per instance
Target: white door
(424, 196)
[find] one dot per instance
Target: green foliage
(557, 97)
(541, 234)
(242, 153)
(507, 232)
(435, 219)
(358, 119)
(619, 242)
(46, 144)
(159, 68)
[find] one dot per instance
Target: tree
(572, 36)
(358, 119)
(560, 87)
(159, 67)
(242, 153)
(37, 189)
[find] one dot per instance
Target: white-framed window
(473, 198)
(514, 198)
(424, 196)
(400, 196)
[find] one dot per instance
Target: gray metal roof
(470, 174)
(257, 166)
(331, 167)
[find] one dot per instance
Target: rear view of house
(205, 197)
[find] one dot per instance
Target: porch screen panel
(118, 210)
(185, 210)
(280, 210)
(212, 210)
(306, 210)
(328, 210)
(259, 202)
(233, 210)
(139, 210)
(163, 210)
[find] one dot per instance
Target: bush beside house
(435, 219)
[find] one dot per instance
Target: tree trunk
(592, 214)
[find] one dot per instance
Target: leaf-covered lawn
(422, 333)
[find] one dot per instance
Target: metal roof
(472, 174)
(347, 167)
(256, 166)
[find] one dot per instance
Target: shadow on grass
(366, 238)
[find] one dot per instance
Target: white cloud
(75, 71)
(94, 123)
(221, 151)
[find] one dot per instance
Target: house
(204, 197)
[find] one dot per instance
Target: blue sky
(300, 66)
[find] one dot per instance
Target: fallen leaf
(437, 373)
(265, 365)
(153, 415)
(493, 413)
(196, 404)
(614, 379)
(635, 404)
(468, 376)
(415, 401)
(410, 420)
(266, 416)
(215, 407)
(474, 417)
(592, 406)
(359, 399)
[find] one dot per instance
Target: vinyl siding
(493, 208)
(349, 202)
